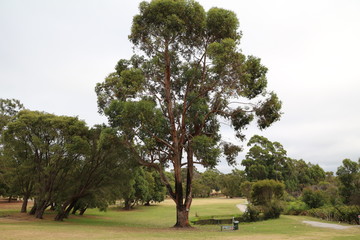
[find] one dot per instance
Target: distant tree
(245, 189)
(8, 110)
(212, 178)
(200, 190)
(169, 101)
(264, 160)
(157, 190)
(308, 174)
(231, 182)
(349, 175)
(268, 160)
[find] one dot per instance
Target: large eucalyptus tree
(189, 73)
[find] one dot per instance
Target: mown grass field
(155, 222)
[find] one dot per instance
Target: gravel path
(242, 206)
(327, 225)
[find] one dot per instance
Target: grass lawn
(155, 222)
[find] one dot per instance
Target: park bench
(235, 226)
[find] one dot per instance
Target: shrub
(273, 210)
(313, 198)
(295, 208)
(348, 214)
(252, 214)
(265, 191)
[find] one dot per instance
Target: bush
(252, 214)
(273, 210)
(265, 191)
(313, 198)
(347, 214)
(295, 208)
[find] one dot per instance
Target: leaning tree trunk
(77, 207)
(33, 209)
(64, 211)
(40, 209)
(82, 211)
(24, 204)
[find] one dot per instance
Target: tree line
(61, 163)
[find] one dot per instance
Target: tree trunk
(40, 209)
(127, 204)
(61, 214)
(82, 211)
(75, 209)
(33, 209)
(70, 207)
(24, 204)
(182, 217)
(52, 206)
(65, 210)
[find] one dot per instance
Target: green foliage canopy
(169, 100)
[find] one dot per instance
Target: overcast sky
(53, 52)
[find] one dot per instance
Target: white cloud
(52, 53)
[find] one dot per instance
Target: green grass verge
(155, 222)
